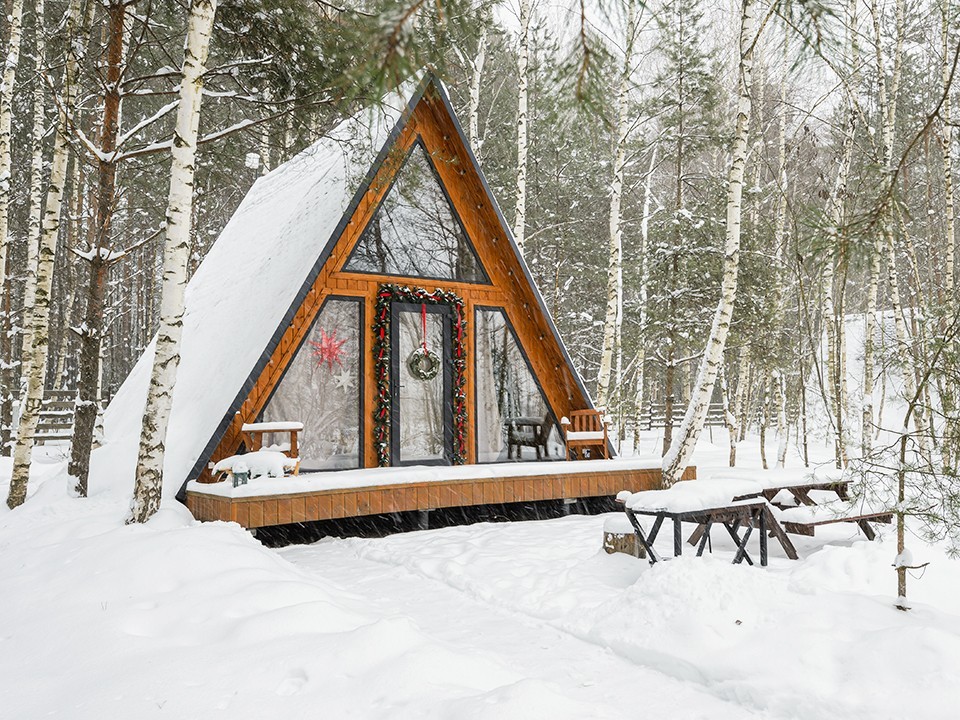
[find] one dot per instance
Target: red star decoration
(329, 350)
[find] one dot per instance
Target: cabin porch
(355, 493)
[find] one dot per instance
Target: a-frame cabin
(391, 314)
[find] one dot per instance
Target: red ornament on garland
(329, 350)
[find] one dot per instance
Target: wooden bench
(807, 526)
(585, 429)
(253, 437)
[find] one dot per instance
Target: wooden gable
(429, 119)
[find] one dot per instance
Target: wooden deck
(251, 508)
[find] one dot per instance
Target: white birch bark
(783, 430)
(39, 316)
(475, 77)
(685, 441)
(519, 224)
(149, 479)
(36, 190)
(644, 282)
(947, 147)
(948, 392)
(12, 61)
(780, 268)
(887, 96)
(614, 316)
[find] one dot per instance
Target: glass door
(422, 402)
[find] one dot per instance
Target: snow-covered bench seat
(804, 520)
(253, 438)
(260, 463)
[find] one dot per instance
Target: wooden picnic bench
(807, 525)
(745, 514)
(801, 494)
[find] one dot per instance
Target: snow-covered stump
(619, 537)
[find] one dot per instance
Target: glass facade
(415, 231)
(321, 389)
(514, 422)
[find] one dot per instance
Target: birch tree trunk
(36, 192)
(476, 76)
(780, 266)
(740, 400)
(39, 316)
(614, 316)
(684, 443)
(887, 114)
(15, 27)
(833, 321)
(947, 147)
(99, 257)
(12, 61)
(149, 479)
(644, 281)
(948, 395)
(519, 224)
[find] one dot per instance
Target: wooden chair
(585, 428)
(530, 432)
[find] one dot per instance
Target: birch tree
(476, 75)
(614, 315)
(641, 359)
(156, 416)
(35, 354)
(682, 447)
(12, 61)
(36, 184)
(519, 224)
(887, 93)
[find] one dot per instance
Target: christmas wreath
(424, 364)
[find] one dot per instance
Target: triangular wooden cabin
(416, 351)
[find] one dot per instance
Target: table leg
(704, 538)
(742, 553)
(677, 538)
(867, 530)
(763, 538)
(642, 537)
(777, 531)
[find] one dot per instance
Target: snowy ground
(518, 620)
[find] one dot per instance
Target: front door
(421, 427)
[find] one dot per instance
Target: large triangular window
(415, 231)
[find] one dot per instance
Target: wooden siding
(267, 510)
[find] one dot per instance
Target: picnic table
(738, 503)
(734, 516)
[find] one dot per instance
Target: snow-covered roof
(244, 289)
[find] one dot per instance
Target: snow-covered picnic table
(778, 506)
(733, 515)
